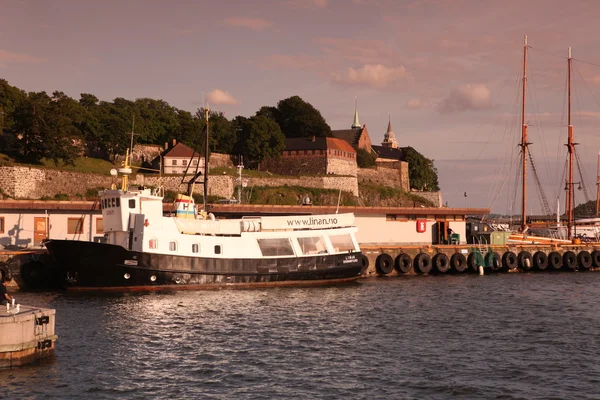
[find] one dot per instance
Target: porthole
(126, 276)
(153, 278)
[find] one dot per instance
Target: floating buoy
(458, 262)
(422, 263)
(384, 264)
(403, 263)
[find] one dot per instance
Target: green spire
(356, 124)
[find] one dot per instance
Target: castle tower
(356, 123)
(389, 139)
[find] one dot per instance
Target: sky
(447, 73)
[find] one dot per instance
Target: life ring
(384, 264)
(555, 260)
(422, 263)
(509, 260)
(493, 261)
(5, 272)
(403, 263)
(458, 262)
(596, 258)
(441, 263)
(570, 260)
(540, 260)
(584, 259)
(524, 260)
(474, 261)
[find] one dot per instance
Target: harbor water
(502, 336)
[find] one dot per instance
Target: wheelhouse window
(74, 226)
(99, 225)
(131, 203)
(342, 243)
(312, 245)
(195, 247)
(276, 247)
(173, 246)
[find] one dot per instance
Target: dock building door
(40, 230)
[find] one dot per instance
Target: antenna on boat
(338, 203)
(524, 144)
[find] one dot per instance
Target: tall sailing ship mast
(524, 144)
(571, 149)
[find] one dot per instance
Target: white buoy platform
(26, 334)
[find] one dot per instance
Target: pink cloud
(466, 97)
(219, 96)
(416, 104)
(374, 75)
(308, 3)
(19, 58)
(255, 24)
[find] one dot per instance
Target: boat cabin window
(195, 247)
(342, 243)
(153, 244)
(218, 249)
(113, 202)
(118, 202)
(276, 247)
(173, 246)
(131, 203)
(312, 245)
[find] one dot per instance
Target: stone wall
(296, 165)
(220, 160)
(346, 183)
(393, 174)
(434, 197)
(341, 166)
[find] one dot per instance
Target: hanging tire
(569, 260)
(422, 263)
(524, 260)
(458, 262)
(584, 259)
(5, 272)
(403, 263)
(596, 259)
(474, 260)
(384, 264)
(364, 260)
(540, 260)
(509, 260)
(554, 260)
(441, 263)
(493, 261)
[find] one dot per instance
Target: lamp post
(572, 210)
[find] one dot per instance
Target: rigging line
(587, 86)
(585, 62)
(547, 52)
(581, 178)
(541, 195)
(515, 192)
(559, 145)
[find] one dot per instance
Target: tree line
(38, 125)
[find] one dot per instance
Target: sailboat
(575, 230)
(145, 250)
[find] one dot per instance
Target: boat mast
(206, 115)
(598, 186)
(524, 144)
(571, 149)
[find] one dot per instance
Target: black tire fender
(441, 263)
(403, 263)
(509, 260)
(422, 263)
(569, 260)
(474, 261)
(540, 260)
(554, 260)
(596, 258)
(584, 259)
(384, 264)
(525, 260)
(458, 262)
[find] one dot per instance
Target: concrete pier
(26, 335)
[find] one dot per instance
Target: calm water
(504, 336)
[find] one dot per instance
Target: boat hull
(101, 266)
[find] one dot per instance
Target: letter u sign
(421, 226)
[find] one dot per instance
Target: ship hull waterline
(86, 266)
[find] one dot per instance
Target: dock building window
(74, 226)
(173, 246)
(131, 203)
(99, 225)
(275, 247)
(1, 224)
(174, 162)
(195, 247)
(312, 245)
(342, 243)
(218, 249)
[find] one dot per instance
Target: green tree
(10, 99)
(365, 159)
(421, 171)
(297, 118)
(259, 138)
(222, 135)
